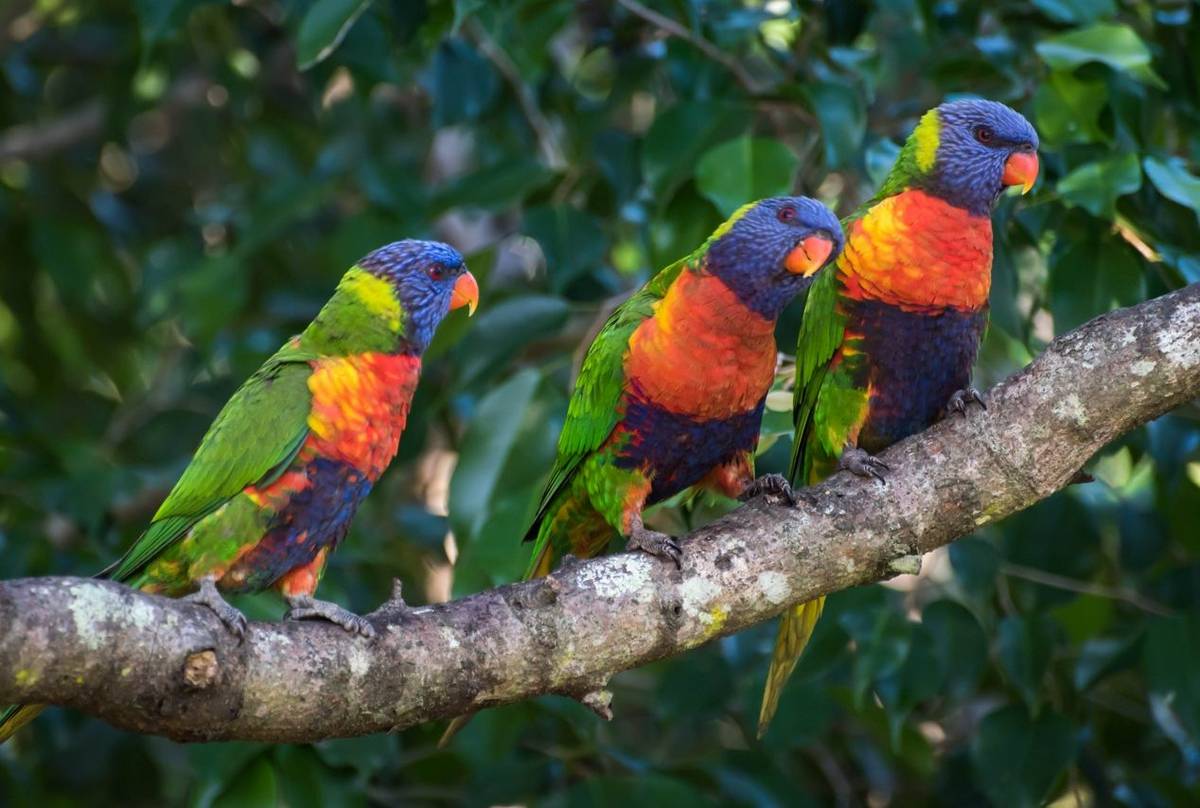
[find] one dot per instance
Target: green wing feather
(592, 411)
(254, 438)
(821, 330)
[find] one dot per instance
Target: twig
(1086, 588)
(670, 26)
(34, 141)
(548, 143)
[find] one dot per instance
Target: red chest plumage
(359, 408)
(703, 353)
(918, 253)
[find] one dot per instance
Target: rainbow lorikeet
(670, 395)
(887, 340)
(279, 474)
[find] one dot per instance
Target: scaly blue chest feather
(314, 518)
(917, 361)
(676, 450)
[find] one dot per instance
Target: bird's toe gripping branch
(305, 607)
(774, 485)
(962, 398)
(863, 464)
(208, 596)
(656, 544)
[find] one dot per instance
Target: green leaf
(254, 786)
(504, 455)
(1115, 45)
(1018, 759)
(158, 19)
(495, 187)
(1096, 186)
(503, 329)
(882, 639)
(1172, 674)
(1068, 109)
(843, 118)
(678, 138)
(920, 677)
(976, 564)
(1091, 276)
(1174, 181)
(572, 242)
(489, 440)
(959, 645)
(1025, 646)
(323, 28)
(464, 83)
(1077, 12)
(745, 169)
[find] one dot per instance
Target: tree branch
(155, 665)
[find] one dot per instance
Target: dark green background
(200, 174)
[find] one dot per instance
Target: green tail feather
(17, 716)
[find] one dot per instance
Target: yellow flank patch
(376, 295)
(928, 136)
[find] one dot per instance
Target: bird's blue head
(769, 251)
(427, 279)
(967, 152)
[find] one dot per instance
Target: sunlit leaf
(1115, 45)
(323, 28)
(745, 169)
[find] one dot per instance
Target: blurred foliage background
(183, 182)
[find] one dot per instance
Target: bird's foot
(961, 398)
(208, 596)
(863, 464)
(773, 485)
(305, 607)
(654, 543)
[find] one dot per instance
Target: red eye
(984, 134)
(437, 272)
(787, 214)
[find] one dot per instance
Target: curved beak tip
(466, 293)
(809, 255)
(1021, 169)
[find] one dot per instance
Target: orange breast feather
(703, 353)
(359, 408)
(919, 253)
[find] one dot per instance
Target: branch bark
(154, 665)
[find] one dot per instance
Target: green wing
(592, 411)
(253, 440)
(821, 330)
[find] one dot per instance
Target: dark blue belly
(917, 361)
(315, 518)
(678, 451)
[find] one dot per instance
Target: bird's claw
(856, 461)
(656, 544)
(208, 596)
(775, 485)
(304, 607)
(961, 398)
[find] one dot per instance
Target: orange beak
(466, 293)
(1021, 168)
(808, 256)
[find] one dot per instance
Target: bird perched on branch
(279, 474)
(670, 395)
(888, 340)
